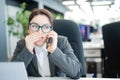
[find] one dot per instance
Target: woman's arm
(21, 53)
(64, 58)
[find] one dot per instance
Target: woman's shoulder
(62, 40)
(21, 42)
(60, 37)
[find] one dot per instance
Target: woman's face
(40, 20)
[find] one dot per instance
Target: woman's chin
(38, 43)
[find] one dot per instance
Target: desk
(61, 78)
(93, 60)
(48, 78)
(92, 49)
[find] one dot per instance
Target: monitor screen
(85, 32)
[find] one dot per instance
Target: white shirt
(43, 61)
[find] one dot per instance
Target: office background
(85, 17)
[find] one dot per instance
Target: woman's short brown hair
(37, 11)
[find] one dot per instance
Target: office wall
(12, 40)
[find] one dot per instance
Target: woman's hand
(31, 39)
(53, 45)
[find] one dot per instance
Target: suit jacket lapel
(34, 61)
(52, 68)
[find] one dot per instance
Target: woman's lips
(40, 39)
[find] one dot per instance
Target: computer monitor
(85, 32)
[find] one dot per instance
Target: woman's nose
(40, 31)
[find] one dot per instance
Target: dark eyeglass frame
(40, 27)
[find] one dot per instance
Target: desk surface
(61, 78)
(93, 45)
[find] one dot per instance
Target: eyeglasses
(44, 28)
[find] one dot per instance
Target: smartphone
(49, 41)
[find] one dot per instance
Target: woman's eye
(34, 26)
(47, 27)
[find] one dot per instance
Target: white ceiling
(82, 9)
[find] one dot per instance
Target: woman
(43, 51)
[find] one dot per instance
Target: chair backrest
(111, 38)
(70, 29)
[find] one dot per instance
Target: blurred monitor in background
(93, 27)
(85, 32)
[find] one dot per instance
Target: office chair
(70, 29)
(111, 38)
